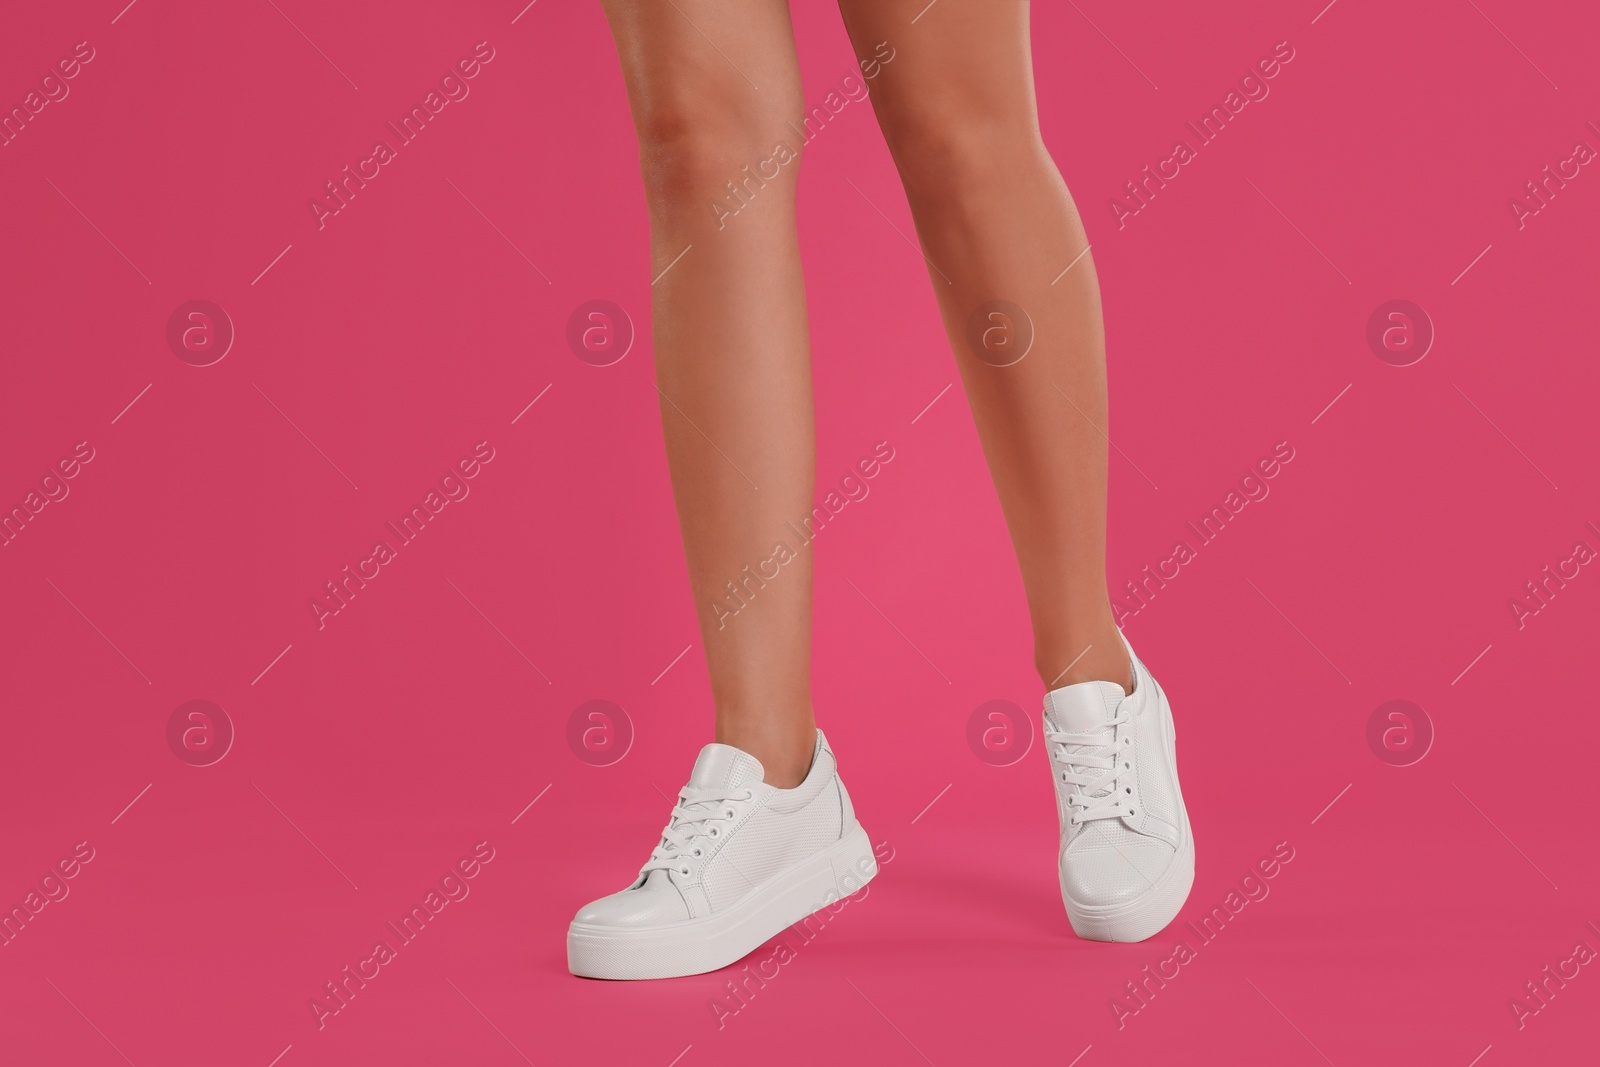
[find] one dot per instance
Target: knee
(690, 153)
(944, 156)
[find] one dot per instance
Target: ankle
(783, 768)
(785, 755)
(1102, 660)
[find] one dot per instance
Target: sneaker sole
(1145, 916)
(696, 946)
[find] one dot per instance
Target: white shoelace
(695, 818)
(1095, 776)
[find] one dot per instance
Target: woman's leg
(956, 103)
(711, 83)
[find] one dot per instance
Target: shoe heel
(854, 863)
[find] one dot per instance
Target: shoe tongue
(717, 767)
(724, 767)
(1084, 707)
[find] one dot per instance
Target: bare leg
(956, 103)
(731, 345)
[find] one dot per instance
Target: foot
(739, 862)
(1127, 853)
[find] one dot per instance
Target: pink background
(415, 724)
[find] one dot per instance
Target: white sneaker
(739, 862)
(1127, 853)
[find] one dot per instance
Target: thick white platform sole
(1152, 911)
(696, 946)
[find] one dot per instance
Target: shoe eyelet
(728, 814)
(697, 853)
(1127, 789)
(715, 831)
